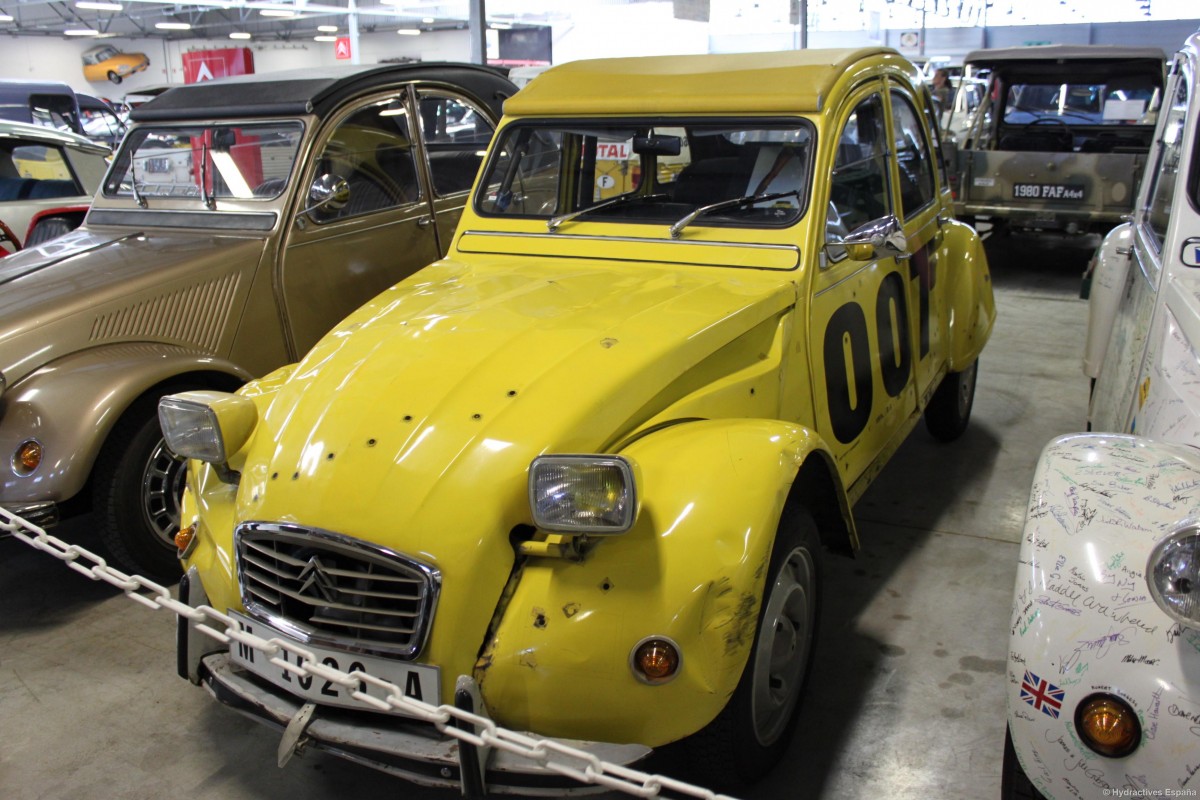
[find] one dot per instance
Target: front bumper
(43, 515)
(409, 749)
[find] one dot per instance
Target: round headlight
(1173, 573)
(1108, 725)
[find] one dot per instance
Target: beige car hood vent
(195, 315)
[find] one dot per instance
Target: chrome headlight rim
(624, 467)
(1157, 562)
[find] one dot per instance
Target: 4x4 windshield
(1114, 103)
(210, 162)
(643, 172)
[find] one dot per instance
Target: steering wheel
(1064, 134)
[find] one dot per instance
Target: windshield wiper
(553, 223)
(209, 202)
(137, 196)
(736, 202)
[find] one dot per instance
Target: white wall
(58, 59)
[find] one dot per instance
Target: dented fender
(692, 569)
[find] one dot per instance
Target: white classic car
(1104, 655)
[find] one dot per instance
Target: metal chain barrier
(587, 768)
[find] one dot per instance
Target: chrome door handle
(424, 222)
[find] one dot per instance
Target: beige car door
(455, 134)
(340, 254)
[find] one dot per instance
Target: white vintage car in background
(1104, 656)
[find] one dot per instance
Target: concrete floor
(907, 697)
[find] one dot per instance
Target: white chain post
(583, 767)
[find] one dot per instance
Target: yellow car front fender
(972, 309)
(691, 569)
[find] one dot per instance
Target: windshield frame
(804, 133)
(116, 184)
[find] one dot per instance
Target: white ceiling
(215, 19)
(219, 18)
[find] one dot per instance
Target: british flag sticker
(1042, 694)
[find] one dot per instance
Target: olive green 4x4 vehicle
(1060, 138)
(240, 220)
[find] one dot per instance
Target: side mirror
(327, 191)
(879, 238)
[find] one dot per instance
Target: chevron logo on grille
(314, 576)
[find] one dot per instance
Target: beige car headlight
(582, 494)
(1173, 573)
(207, 426)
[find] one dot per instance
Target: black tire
(949, 409)
(137, 485)
(750, 734)
(49, 228)
(114, 77)
(1014, 784)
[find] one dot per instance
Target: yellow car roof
(789, 81)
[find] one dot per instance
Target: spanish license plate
(1046, 191)
(417, 681)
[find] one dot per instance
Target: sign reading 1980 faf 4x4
(1047, 191)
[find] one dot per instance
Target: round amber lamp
(655, 660)
(28, 457)
(1108, 725)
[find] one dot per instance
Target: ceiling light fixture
(81, 32)
(408, 32)
(6, 18)
(327, 28)
(239, 35)
(325, 38)
(276, 12)
(173, 26)
(94, 6)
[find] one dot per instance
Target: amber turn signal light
(1108, 725)
(28, 457)
(655, 660)
(184, 538)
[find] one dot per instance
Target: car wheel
(138, 484)
(114, 77)
(49, 228)
(1014, 784)
(749, 736)
(949, 409)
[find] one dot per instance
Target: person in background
(942, 90)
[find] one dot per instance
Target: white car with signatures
(1104, 655)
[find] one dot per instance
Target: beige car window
(371, 149)
(456, 135)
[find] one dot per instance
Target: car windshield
(650, 172)
(210, 162)
(1112, 103)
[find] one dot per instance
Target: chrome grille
(326, 588)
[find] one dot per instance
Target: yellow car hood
(412, 424)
